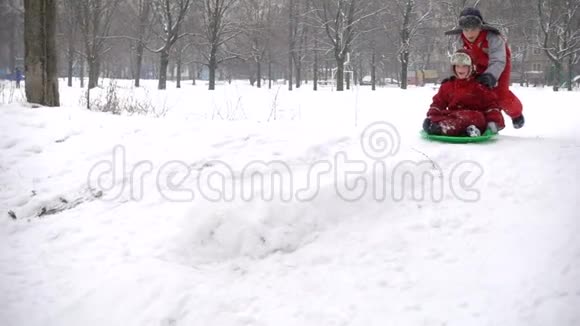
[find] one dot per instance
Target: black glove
(518, 122)
(450, 78)
(486, 79)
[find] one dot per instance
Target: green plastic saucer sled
(487, 136)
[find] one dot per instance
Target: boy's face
(471, 34)
(462, 71)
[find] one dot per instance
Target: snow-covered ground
(164, 219)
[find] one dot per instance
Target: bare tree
(142, 10)
(170, 15)
(70, 26)
(339, 19)
(302, 33)
(559, 33)
(11, 30)
(95, 19)
(275, 41)
(298, 40)
(370, 46)
(518, 21)
(291, 39)
(40, 52)
(315, 65)
(257, 27)
(411, 18)
(319, 52)
(181, 48)
(218, 29)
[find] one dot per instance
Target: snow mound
(255, 229)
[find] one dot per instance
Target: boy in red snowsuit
(492, 59)
(463, 106)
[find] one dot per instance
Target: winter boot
(431, 127)
(473, 131)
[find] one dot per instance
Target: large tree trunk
(404, 68)
(556, 76)
(290, 43)
(212, 68)
(178, 67)
(315, 67)
(570, 72)
(163, 64)
(94, 67)
(298, 64)
(82, 71)
(259, 73)
(270, 77)
(12, 43)
(348, 78)
(70, 35)
(144, 9)
(40, 52)
(339, 73)
(405, 43)
(70, 62)
(358, 72)
(171, 70)
(290, 75)
(374, 70)
(138, 63)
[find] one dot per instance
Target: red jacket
(465, 94)
(491, 54)
(500, 55)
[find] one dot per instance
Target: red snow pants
(510, 103)
(454, 123)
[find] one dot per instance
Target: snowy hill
(251, 206)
